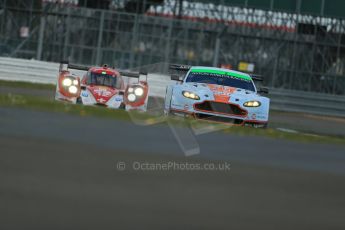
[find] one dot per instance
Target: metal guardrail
(314, 103)
(281, 99)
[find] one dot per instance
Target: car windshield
(101, 79)
(236, 80)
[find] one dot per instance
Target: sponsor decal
(101, 100)
(84, 94)
(254, 116)
(221, 90)
(221, 98)
(221, 93)
(237, 75)
(102, 92)
(118, 99)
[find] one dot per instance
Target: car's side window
(88, 77)
(119, 82)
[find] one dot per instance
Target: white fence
(283, 100)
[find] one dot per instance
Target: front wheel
(256, 125)
(79, 101)
(122, 106)
(167, 112)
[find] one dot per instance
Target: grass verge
(26, 85)
(37, 103)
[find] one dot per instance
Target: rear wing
(86, 68)
(178, 71)
(78, 67)
(132, 74)
(65, 65)
(178, 67)
(256, 77)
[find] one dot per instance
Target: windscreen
(101, 79)
(216, 77)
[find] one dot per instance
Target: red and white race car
(102, 86)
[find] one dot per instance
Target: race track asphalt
(59, 171)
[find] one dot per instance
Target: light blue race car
(217, 95)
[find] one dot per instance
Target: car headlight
(75, 82)
(131, 97)
(252, 104)
(73, 89)
(67, 82)
(139, 91)
(190, 95)
(130, 90)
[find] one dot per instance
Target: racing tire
(261, 127)
(79, 101)
(167, 112)
(257, 126)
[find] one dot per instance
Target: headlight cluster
(134, 93)
(190, 95)
(252, 104)
(71, 85)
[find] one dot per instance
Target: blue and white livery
(218, 95)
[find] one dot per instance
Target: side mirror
(175, 77)
(263, 90)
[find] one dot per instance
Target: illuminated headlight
(130, 90)
(190, 95)
(139, 91)
(252, 104)
(73, 89)
(131, 97)
(67, 82)
(75, 82)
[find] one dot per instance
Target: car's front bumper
(234, 115)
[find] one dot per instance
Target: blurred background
(295, 44)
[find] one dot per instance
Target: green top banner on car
(232, 74)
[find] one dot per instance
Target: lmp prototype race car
(102, 86)
(217, 95)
